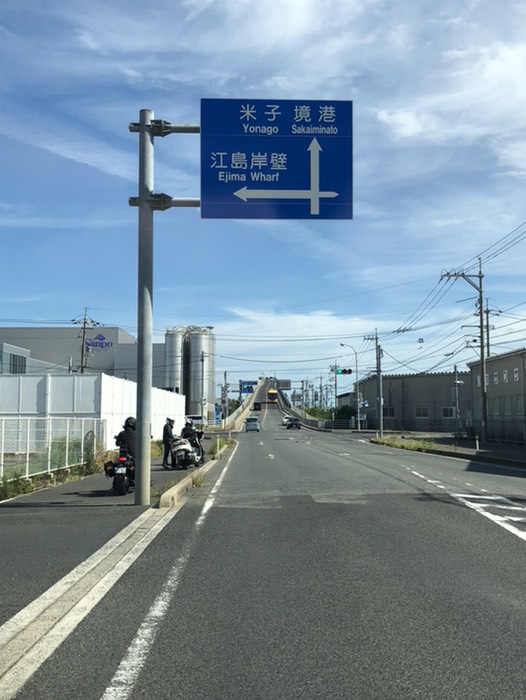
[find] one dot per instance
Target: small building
(437, 402)
(505, 397)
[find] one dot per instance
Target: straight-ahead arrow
(313, 194)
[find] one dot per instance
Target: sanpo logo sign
(99, 342)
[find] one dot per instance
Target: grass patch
(16, 484)
(411, 444)
(217, 446)
(198, 480)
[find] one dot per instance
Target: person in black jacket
(125, 441)
(126, 438)
(168, 436)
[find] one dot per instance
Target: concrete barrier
(176, 493)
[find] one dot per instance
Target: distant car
(285, 420)
(294, 423)
(252, 423)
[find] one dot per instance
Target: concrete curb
(174, 495)
(480, 457)
(469, 455)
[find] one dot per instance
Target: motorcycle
(122, 471)
(186, 452)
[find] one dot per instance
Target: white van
(252, 423)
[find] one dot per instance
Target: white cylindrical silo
(201, 374)
(173, 359)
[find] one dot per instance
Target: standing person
(168, 436)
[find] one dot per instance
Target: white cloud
(440, 144)
(407, 123)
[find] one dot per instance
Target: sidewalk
(465, 448)
(96, 489)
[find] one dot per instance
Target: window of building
(496, 407)
(507, 405)
(515, 374)
(448, 411)
(519, 405)
(388, 412)
(495, 377)
(478, 381)
(421, 412)
(17, 364)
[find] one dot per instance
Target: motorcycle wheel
(120, 485)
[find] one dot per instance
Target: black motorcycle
(122, 471)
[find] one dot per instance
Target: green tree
(233, 405)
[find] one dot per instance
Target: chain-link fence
(32, 446)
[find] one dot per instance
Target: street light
(356, 384)
(457, 382)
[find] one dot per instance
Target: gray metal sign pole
(148, 202)
(144, 311)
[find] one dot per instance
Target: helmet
(170, 420)
(130, 423)
(189, 422)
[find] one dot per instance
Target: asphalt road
(310, 565)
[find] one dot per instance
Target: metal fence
(33, 446)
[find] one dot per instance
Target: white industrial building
(184, 364)
(84, 396)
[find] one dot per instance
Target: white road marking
(125, 678)
(30, 637)
(482, 501)
(476, 504)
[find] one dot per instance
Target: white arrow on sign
(313, 193)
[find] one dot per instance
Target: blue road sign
(276, 159)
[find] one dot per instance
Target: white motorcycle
(186, 453)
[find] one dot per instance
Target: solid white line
(57, 591)
(123, 682)
(31, 636)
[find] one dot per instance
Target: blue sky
(439, 100)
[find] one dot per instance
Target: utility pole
(202, 402)
(225, 398)
(86, 323)
(458, 432)
(483, 380)
(335, 386)
(379, 384)
(486, 310)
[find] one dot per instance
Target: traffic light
(343, 371)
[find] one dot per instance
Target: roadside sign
(276, 159)
(284, 384)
